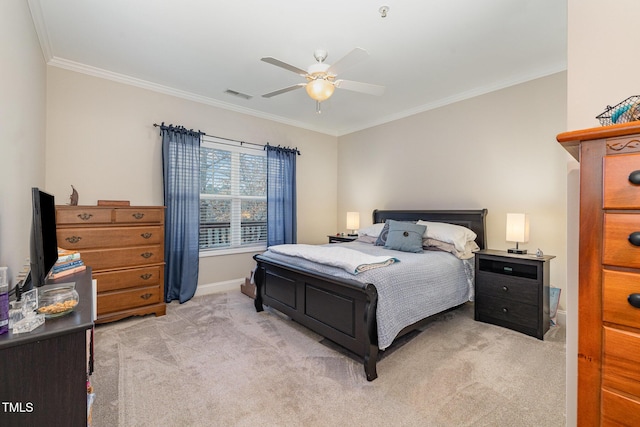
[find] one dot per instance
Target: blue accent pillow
(382, 237)
(405, 236)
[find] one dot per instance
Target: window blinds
(233, 196)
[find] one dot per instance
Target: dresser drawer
(617, 250)
(508, 287)
(616, 288)
(618, 191)
(106, 259)
(621, 361)
(130, 278)
(504, 310)
(130, 298)
(109, 237)
(83, 215)
(619, 410)
(138, 215)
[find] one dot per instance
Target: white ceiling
(427, 53)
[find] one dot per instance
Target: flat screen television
(43, 247)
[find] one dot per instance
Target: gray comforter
(420, 285)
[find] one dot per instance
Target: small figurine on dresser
(73, 199)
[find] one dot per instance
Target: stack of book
(69, 262)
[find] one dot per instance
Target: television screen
(44, 243)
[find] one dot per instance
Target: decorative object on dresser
(125, 248)
(74, 197)
(608, 273)
(512, 291)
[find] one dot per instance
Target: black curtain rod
(220, 137)
(263, 146)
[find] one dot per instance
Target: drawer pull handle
(634, 177)
(146, 235)
(146, 276)
(73, 239)
(146, 254)
(146, 296)
(138, 215)
(634, 238)
(505, 288)
(85, 216)
(634, 300)
(505, 310)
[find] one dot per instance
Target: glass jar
(57, 301)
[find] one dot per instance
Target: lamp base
(517, 251)
(352, 235)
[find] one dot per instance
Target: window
(233, 197)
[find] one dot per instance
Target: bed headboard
(472, 219)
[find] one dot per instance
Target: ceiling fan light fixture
(320, 89)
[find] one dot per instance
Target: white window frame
(236, 200)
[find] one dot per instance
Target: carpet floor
(214, 361)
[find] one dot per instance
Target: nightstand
(341, 238)
(513, 291)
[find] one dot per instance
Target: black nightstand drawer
(511, 288)
(511, 314)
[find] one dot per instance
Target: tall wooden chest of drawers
(609, 274)
(125, 248)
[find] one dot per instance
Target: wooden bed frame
(344, 310)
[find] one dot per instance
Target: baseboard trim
(213, 288)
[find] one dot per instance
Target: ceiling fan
(321, 78)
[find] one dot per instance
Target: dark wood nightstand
(341, 238)
(513, 291)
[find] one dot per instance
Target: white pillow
(373, 230)
(457, 235)
(470, 248)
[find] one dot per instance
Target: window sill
(232, 251)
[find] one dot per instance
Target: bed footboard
(342, 310)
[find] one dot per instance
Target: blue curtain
(281, 195)
(181, 167)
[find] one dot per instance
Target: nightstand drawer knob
(505, 288)
(505, 310)
(634, 177)
(634, 300)
(634, 238)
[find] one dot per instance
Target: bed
(353, 311)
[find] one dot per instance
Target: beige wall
(601, 57)
(496, 151)
(101, 139)
(22, 130)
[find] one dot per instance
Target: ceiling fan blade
(367, 88)
(284, 90)
(278, 63)
(347, 61)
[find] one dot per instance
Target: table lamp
(353, 222)
(517, 231)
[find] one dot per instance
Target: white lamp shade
(517, 227)
(353, 220)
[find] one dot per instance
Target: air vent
(238, 94)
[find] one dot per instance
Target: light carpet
(215, 361)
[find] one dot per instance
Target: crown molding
(41, 29)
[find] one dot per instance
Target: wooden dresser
(124, 246)
(609, 274)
